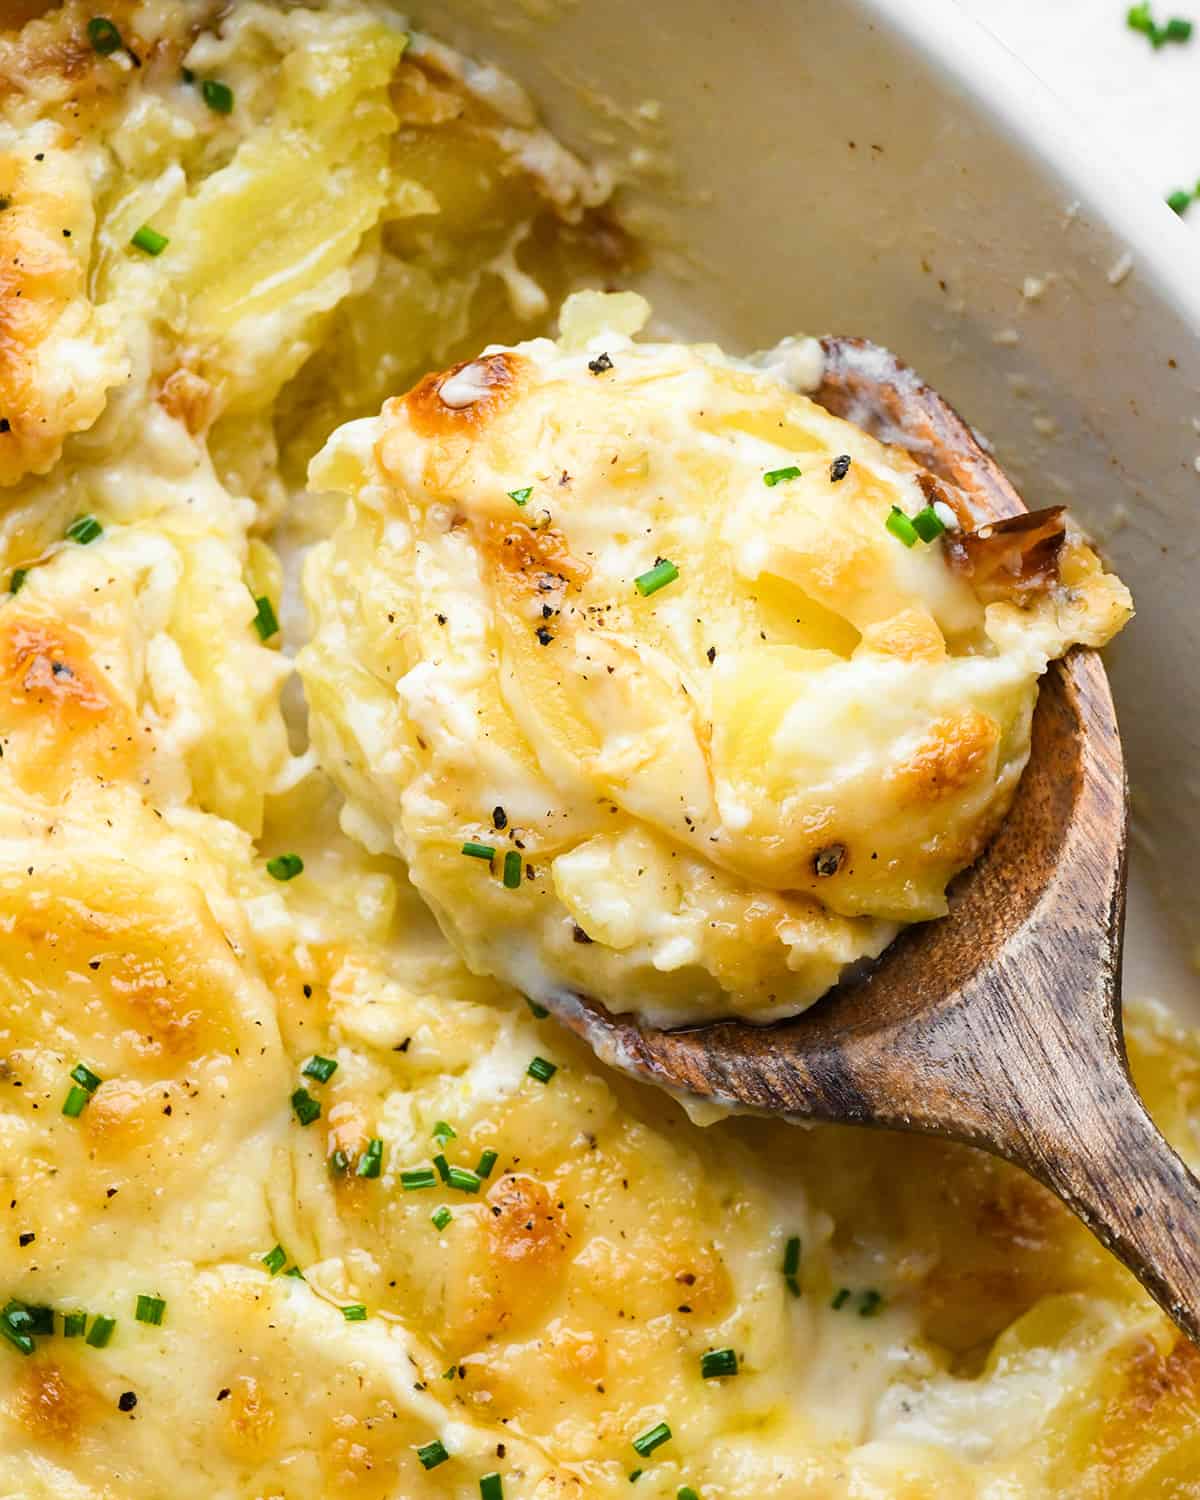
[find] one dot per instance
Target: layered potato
(633, 622)
(221, 1271)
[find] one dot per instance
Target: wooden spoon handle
(1127, 1185)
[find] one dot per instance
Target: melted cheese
(147, 775)
(715, 796)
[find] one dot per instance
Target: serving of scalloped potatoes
(296, 1204)
(650, 636)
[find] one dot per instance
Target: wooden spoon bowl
(999, 1024)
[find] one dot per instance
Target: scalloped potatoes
(632, 623)
(278, 1072)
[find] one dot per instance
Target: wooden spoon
(999, 1024)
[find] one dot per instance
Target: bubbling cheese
(631, 617)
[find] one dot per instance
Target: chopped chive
(39, 1320)
(663, 572)
(101, 1331)
(901, 527)
(339, 1162)
(839, 468)
(218, 96)
(355, 1313)
(539, 1011)
(306, 1107)
(149, 240)
(441, 1218)
(370, 1163)
(840, 1298)
(320, 1068)
(15, 1335)
(442, 1133)
(104, 36)
(653, 1437)
(486, 1162)
(928, 524)
(432, 1454)
(295, 1272)
(74, 1324)
(419, 1177)
(521, 496)
(512, 870)
(149, 1309)
(443, 1167)
(491, 1487)
(285, 866)
(1177, 30)
(791, 1256)
(275, 1260)
(479, 851)
(463, 1179)
(793, 1285)
(779, 476)
(635, 1475)
(869, 1303)
(1180, 200)
(266, 622)
(718, 1363)
(542, 1070)
(187, 75)
(85, 1078)
(74, 1103)
(686, 1492)
(19, 575)
(84, 529)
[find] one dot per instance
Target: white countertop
(1142, 105)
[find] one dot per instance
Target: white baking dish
(886, 168)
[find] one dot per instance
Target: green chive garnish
(74, 1324)
(103, 35)
(778, 476)
(320, 1068)
(686, 1492)
(432, 1454)
(295, 1272)
(306, 1107)
(521, 496)
(149, 1309)
(1177, 30)
(512, 870)
(491, 1487)
(663, 572)
(85, 1078)
(419, 1177)
(840, 1298)
(73, 1104)
(355, 1313)
(370, 1163)
(486, 1162)
(84, 529)
(339, 1162)
(635, 1475)
(101, 1331)
(928, 524)
(463, 1179)
(442, 1133)
(479, 851)
(218, 96)
(149, 240)
(1180, 200)
(275, 1260)
(37, 1319)
(285, 866)
(718, 1363)
(441, 1218)
(901, 527)
(19, 575)
(653, 1437)
(266, 621)
(442, 1166)
(539, 1011)
(869, 1303)
(12, 1328)
(791, 1265)
(542, 1070)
